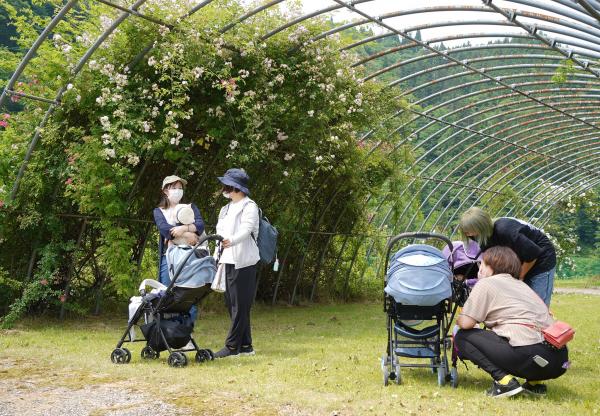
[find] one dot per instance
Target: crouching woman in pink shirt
(514, 346)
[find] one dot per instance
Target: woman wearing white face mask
(165, 218)
(238, 224)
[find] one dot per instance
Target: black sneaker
(247, 350)
(535, 389)
(498, 390)
(225, 352)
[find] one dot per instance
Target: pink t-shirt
(503, 304)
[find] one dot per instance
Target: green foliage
(196, 104)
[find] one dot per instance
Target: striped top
(509, 308)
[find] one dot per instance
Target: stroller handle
(402, 236)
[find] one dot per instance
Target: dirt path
(580, 291)
(34, 395)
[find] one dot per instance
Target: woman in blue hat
(165, 218)
(238, 225)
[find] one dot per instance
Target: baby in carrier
(185, 216)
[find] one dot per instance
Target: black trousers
(494, 355)
(239, 295)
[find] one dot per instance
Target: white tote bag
(219, 282)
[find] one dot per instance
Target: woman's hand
(178, 230)
(226, 243)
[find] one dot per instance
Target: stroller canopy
(419, 274)
(462, 255)
(197, 272)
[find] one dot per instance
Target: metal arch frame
(571, 189)
(434, 161)
(378, 19)
(389, 212)
(452, 123)
(590, 9)
(452, 218)
(518, 196)
(565, 172)
(489, 177)
(456, 99)
(577, 142)
(483, 151)
(559, 109)
(563, 175)
(481, 112)
(531, 175)
(509, 172)
(341, 3)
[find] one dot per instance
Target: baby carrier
(418, 288)
(159, 313)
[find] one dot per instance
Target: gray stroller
(418, 289)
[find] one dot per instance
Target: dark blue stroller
(418, 288)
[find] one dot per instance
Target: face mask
(227, 195)
(175, 195)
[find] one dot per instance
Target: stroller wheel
(454, 377)
(203, 355)
(120, 356)
(442, 372)
(177, 359)
(149, 354)
(398, 374)
(386, 376)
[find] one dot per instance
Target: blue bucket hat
(236, 178)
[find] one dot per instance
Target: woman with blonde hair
(534, 249)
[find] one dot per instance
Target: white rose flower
(124, 134)
(109, 153)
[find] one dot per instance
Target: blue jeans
(542, 284)
(165, 280)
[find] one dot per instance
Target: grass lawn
(318, 360)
